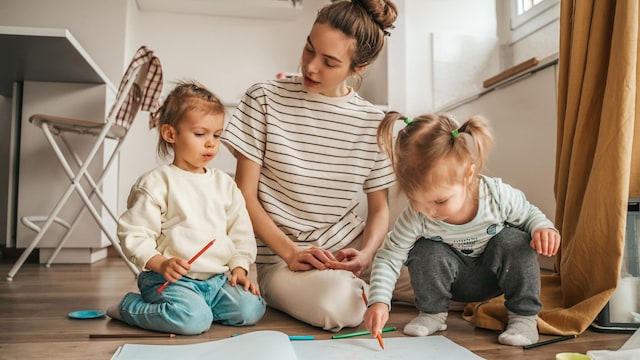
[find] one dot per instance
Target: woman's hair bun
(383, 12)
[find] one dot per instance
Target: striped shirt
(316, 153)
(500, 205)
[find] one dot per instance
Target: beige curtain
(597, 165)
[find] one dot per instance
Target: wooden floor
(34, 322)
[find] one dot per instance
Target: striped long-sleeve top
(500, 205)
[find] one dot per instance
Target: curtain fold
(597, 165)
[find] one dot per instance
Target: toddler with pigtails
(464, 236)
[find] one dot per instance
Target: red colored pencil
(166, 283)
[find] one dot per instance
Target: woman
(305, 146)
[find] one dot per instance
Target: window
(526, 5)
(528, 16)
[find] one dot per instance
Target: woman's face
(326, 61)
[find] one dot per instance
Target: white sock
(426, 324)
(114, 312)
(521, 330)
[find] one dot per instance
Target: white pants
(330, 299)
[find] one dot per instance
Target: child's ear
(470, 173)
(168, 133)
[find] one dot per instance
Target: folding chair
(140, 88)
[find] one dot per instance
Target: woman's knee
(334, 295)
(343, 305)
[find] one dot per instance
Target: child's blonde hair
(428, 138)
(186, 96)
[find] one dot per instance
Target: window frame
(533, 19)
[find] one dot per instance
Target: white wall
(226, 54)
(543, 43)
(397, 63)
(411, 53)
(421, 19)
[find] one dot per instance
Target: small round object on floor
(87, 314)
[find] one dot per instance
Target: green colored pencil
(360, 333)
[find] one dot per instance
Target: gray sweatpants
(508, 266)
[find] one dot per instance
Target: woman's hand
(376, 316)
(358, 260)
(239, 277)
(352, 260)
(310, 259)
(545, 241)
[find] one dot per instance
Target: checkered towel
(145, 92)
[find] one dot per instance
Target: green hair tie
(455, 133)
(408, 120)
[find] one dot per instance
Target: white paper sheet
(630, 350)
(633, 342)
(263, 345)
(275, 345)
(405, 348)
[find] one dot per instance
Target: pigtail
(154, 120)
(385, 133)
(477, 127)
(154, 116)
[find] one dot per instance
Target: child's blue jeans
(189, 306)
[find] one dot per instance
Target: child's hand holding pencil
(375, 327)
(176, 260)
